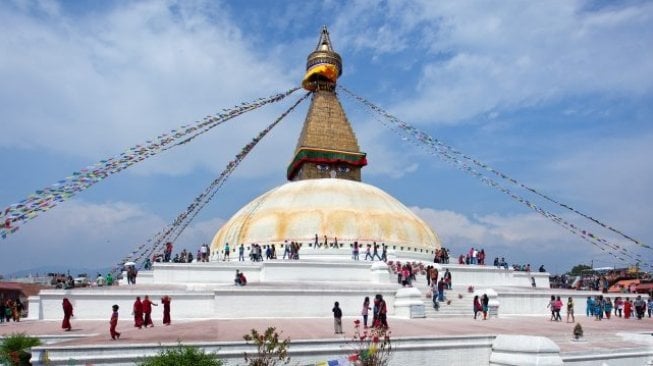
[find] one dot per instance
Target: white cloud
(520, 238)
(92, 85)
(82, 234)
(476, 58)
(494, 229)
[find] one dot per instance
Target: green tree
(578, 269)
(182, 356)
(14, 349)
(270, 351)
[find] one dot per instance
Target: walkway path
(599, 335)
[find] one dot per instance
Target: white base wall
(452, 351)
(231, 302)
(463, 276)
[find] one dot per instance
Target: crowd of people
(141, 311)
(601, 307)
(379, 314)
(11, 309)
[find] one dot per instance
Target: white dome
(338, 208)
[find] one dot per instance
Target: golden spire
(323, 66)
(327, 146)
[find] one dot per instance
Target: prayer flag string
(453, 157)
(181, 222)
(45, 199)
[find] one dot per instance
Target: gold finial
(323, 66)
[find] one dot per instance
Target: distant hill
(44, 270)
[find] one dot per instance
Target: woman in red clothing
(67, 314)
(628, 308)
(166, 309)
(138, 313)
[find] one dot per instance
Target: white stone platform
(300, 288)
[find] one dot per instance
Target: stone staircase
(457, 308)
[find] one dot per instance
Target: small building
(19, 290)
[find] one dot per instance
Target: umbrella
(130, 264)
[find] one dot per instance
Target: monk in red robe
(147, 311)
(166, 309)
(67, 314)
(138, 313)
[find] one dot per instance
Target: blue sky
(558, 95)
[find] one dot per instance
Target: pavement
(616, 333)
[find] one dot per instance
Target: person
(558, 306)
(434, 275)
(147, 311)
(375, 251)
(368, 253)
(137, 311)
(375, 313)
(542, 270)
(148, 264)
(99, 281)
(607, 306)
(384, 252)
(598, 308)
(354, 253)
(2, 310)
(485, 303)
(113, 323)
(650, 306)
(167, 253)
(441, 290)
(589, 307)
(204, 253)
(434, 296)
(286, 250)
(618, 307)
(628, 308)
(240, 279)
(382, 312)
(109, 279)
(551, 306)
(365, 311)
(447, 278)
(226, 252)
(18, 309)
(67, 314)
(241, 253)
(165, 300)
(337, 318)
(533, 282)
(477, 306)
(570, 309)
(640, 307)
(8, 310)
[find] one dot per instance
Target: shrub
(270, 351)
(14, 349)
(182, 356)
(373, 346)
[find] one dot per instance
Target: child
(337, 318)
(365, 311)
(114, 322)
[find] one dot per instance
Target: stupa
(324, 195)
(325, 200)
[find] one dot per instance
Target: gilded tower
(327, 146)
